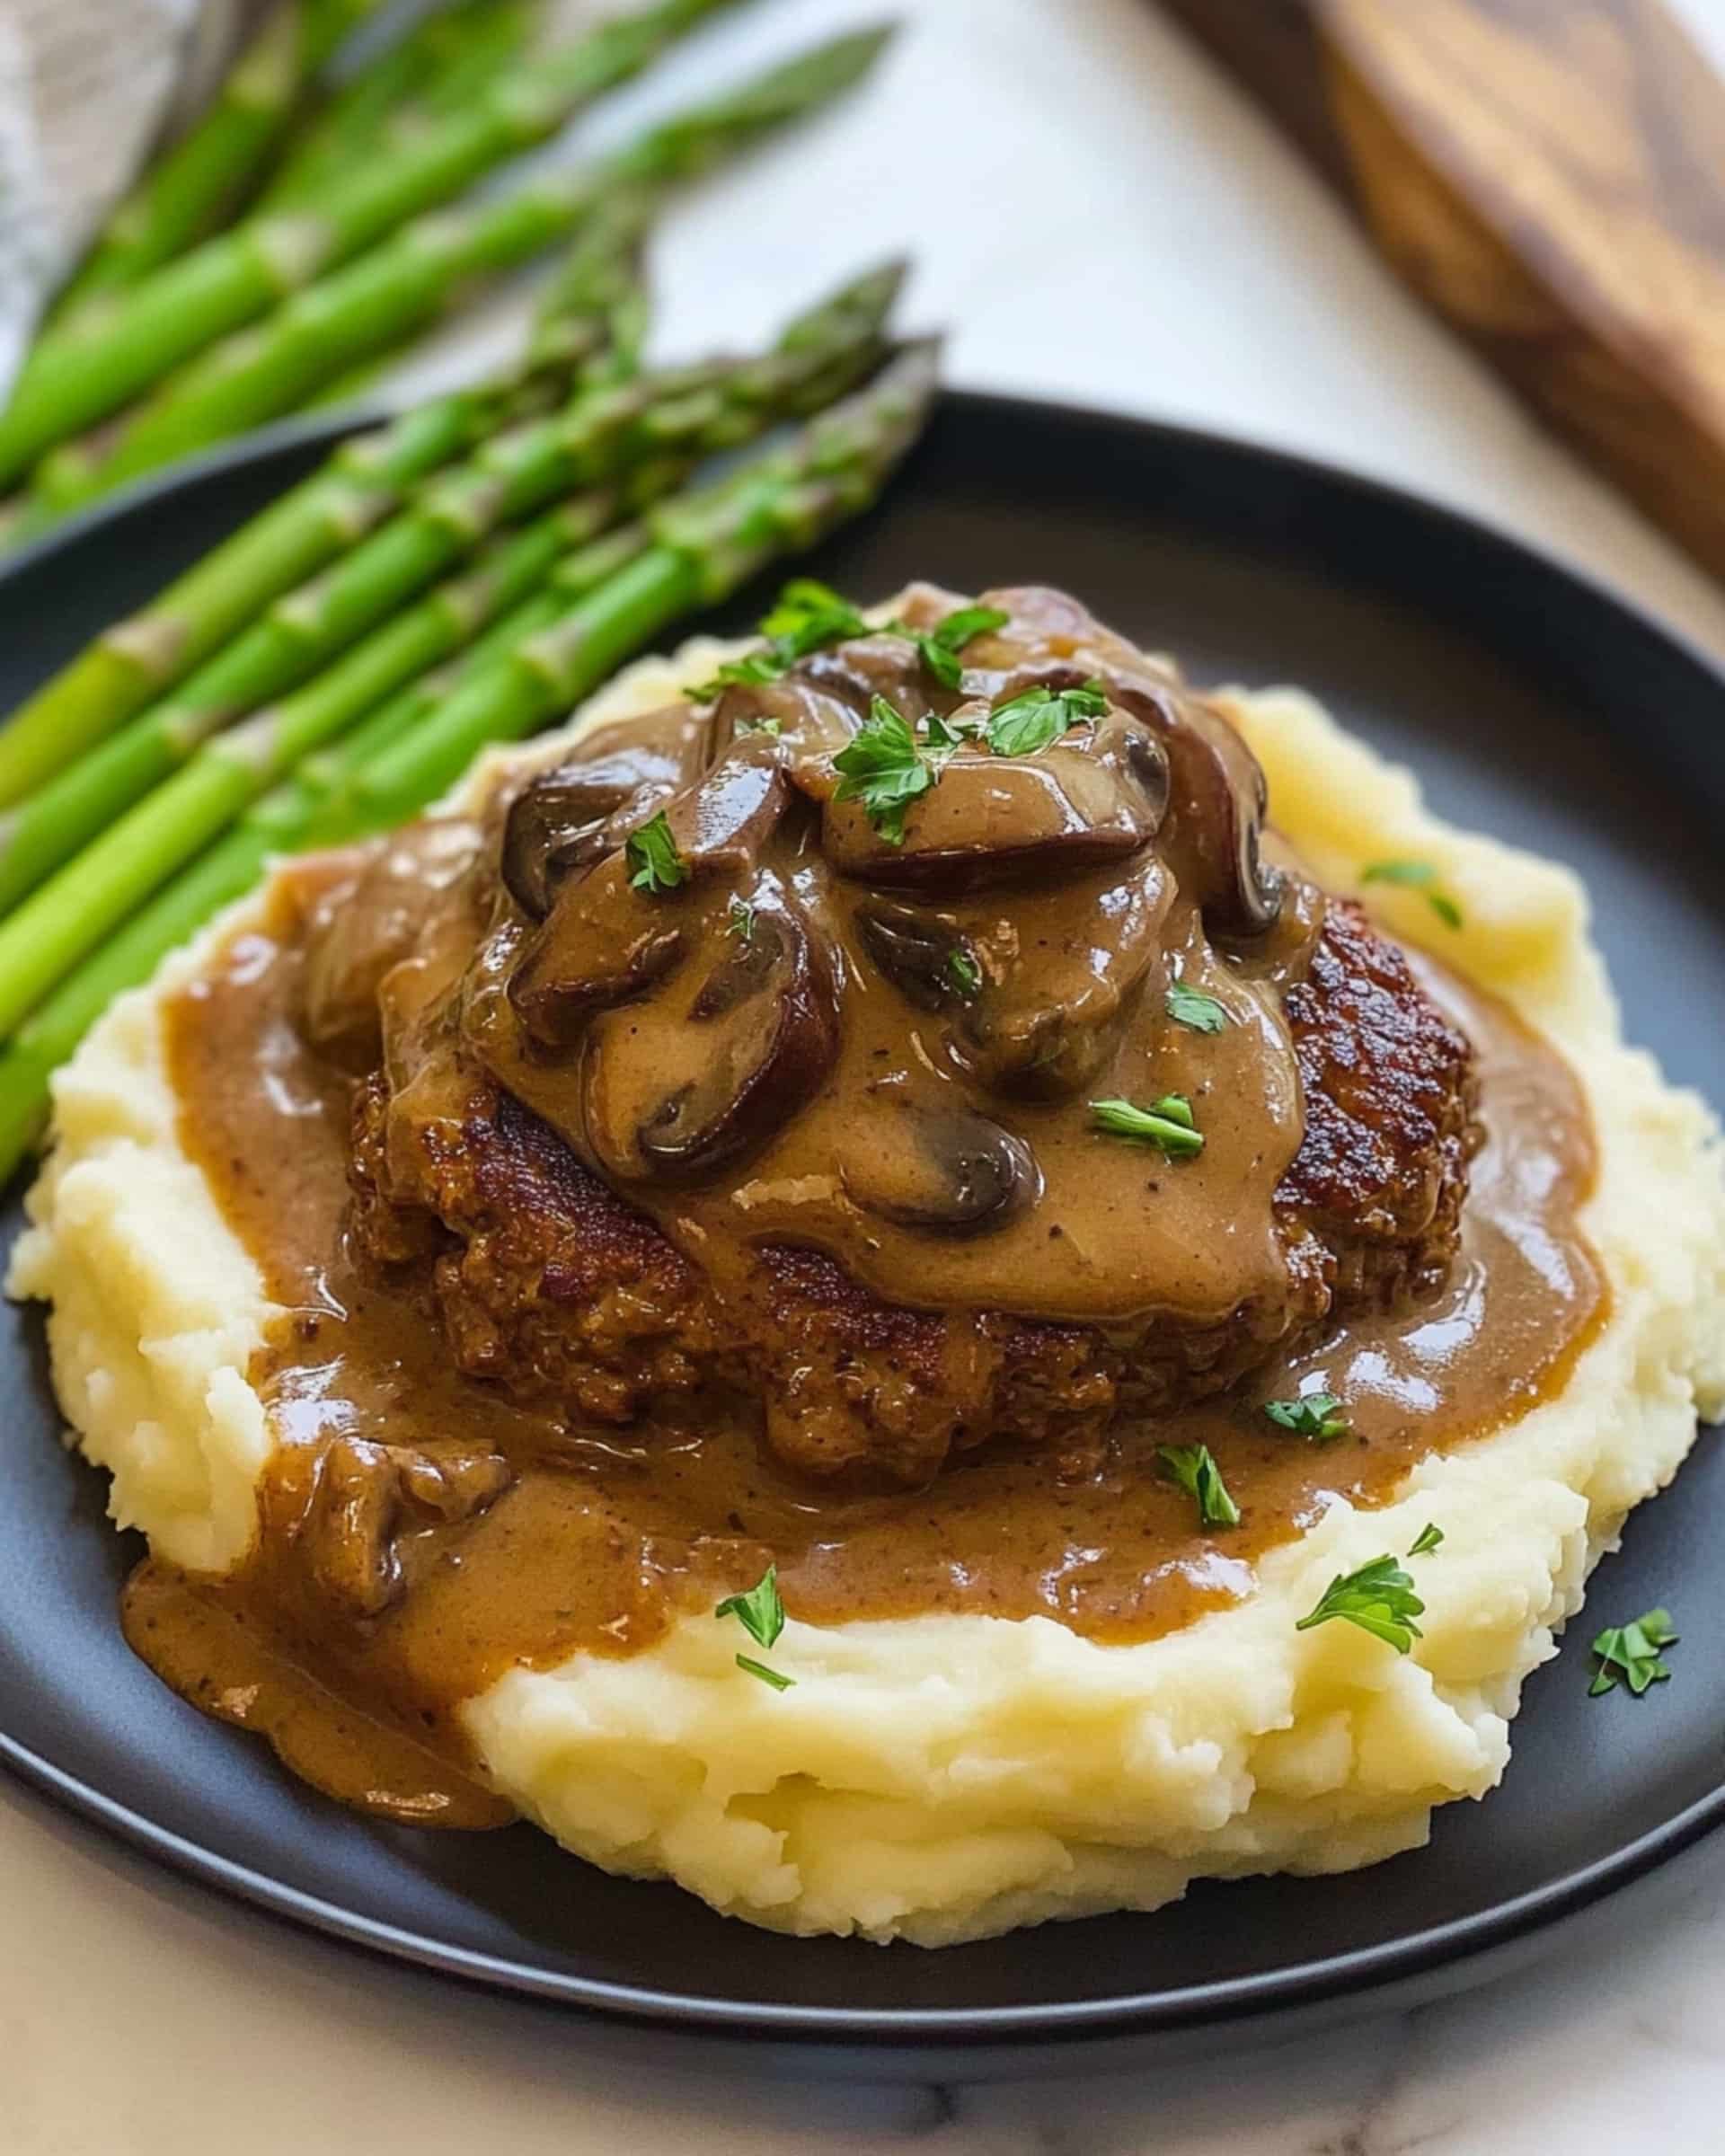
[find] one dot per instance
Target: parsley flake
(885, 768)
(652, 854)
(1419, 876)
(776, 1678)
(809, 616)
(1167, 1123)
(741, 923)
(1038, 717)
(1445, 907)
(1430, 1538)
(1188, 1007)
(964, 972)
(1314, 1415)
(1194, 1468)
(1379, 1598)
(746, 673)
(1629, 1654)
(942, 736)
(771, 727)
(939, 649)
(759, 1611)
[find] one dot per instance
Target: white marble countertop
(1102, 219)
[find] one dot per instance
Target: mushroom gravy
(420, 1534)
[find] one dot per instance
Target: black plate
(1535, 707)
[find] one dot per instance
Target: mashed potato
(949, 1777)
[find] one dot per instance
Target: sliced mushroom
(704, 1075)
(722, 825)
(1051, 1018)
(989, 819)
(813, 711)
(605, 941)
(364, 1496)
(1218, 795)
(401, 891)
(915, 951)
(947, 1171)
(1218, 800)
(558, 827)
(560, 823)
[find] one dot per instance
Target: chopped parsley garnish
(1167, 1123)
(1445, 907)
(653, 856)
(939, 649)
(1419, 876)
(1188, 1007)
(809, 616)
(776, 1678)
(1038, 717)
(1430, 1538)
(759, 1611)
(746, 673)
(945, 735)
(1379, 1598)
(1316, 1415)
(741, 923)
(964, 972)
(886, 768)
(1629, 1654)
(773, 727)
(1193, 1467)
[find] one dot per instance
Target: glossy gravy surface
(602, 1538)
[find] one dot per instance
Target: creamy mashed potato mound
(949, 1777)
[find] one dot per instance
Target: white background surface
(1100, 218)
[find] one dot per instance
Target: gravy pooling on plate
(869, 1292)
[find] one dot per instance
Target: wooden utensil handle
(1549, 174)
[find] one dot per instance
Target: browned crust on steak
(549, 1285)
(544, 1281)
(1390, 1101)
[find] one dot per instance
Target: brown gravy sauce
(604, 1538)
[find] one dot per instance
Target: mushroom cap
(700, 1075)
(565, 819)
(1099, 795)
(946, 1170)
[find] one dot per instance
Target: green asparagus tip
(876, 290)
(810, 78)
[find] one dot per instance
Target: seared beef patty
(549, 1283)
(916, 1025)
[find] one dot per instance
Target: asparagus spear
(594, 308)
(450, 58)
(174, 823)
(706, 547)
(590, 318)
(659, 422)
(835, 470)
(281, 822)
(395, 292)
(77, 375)
(191, 189)
(362, 482)
(398, 288)
(589, 323)
(383, 300)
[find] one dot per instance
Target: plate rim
(1382, 1968)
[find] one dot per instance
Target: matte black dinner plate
(1534, 706)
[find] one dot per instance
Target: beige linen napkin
(85, 87)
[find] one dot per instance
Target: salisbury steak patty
(552, 1285)
(954, 1066)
